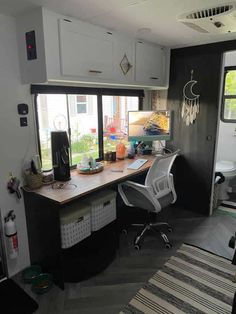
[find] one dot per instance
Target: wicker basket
(103, 209)
(75, 224)
(33, 181)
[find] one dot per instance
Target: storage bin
(75, 224)
(103, 209)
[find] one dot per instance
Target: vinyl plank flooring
(109, 291)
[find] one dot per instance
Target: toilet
(228, 169)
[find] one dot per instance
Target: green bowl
(42, 283)
(30, 273)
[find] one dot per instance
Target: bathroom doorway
(224, 193)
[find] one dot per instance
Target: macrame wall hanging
(191, 102)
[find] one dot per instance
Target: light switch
(23, 121)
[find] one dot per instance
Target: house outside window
(228, 112)
(81, 103)
(95, 122)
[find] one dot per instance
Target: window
(228, 112)
(95, 119)
(115, 119)
(81, 103)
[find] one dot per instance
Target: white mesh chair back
(160, 167)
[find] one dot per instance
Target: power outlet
(23, 121)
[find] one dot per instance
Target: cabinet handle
(94, 71)
(153, 78)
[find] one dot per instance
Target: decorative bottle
(120, 150)
(131, 151)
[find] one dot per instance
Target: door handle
(95, 71)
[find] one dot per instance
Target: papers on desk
(137, 164)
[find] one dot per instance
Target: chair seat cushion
(137, 199)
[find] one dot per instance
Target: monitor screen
(149, 125)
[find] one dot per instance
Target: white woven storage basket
(103, 209)
(75, 224)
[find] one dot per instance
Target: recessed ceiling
(159, 17)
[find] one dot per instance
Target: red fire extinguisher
(11, 235)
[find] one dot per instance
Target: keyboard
(137, 164)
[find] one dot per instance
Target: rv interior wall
(227, 131)
(158, 99)
(17, 143)
(196, 141)
(195, 173)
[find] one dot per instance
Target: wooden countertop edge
(129, 175)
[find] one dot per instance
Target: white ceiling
(129, 16)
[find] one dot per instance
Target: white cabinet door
(123, 59)
(149, 64)
(85, 51)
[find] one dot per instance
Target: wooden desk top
(82, 184)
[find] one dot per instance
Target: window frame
(224, 97)
(99, 92)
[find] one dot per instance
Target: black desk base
(91, 256)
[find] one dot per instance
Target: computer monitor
(149, 126)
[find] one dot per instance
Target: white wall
(227, 142)
(17, 143)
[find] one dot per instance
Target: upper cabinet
(150, 64)
(85, 52)
(55, 48)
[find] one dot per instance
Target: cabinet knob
(95, 71)
(153, 78)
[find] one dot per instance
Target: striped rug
(192, 281)
(227, 208)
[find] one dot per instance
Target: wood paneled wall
(194, 166)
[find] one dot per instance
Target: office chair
(157, 192)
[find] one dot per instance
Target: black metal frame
(99, 92)
(224, 97)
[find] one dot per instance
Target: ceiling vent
(219, 19)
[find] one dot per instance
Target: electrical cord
(63, 186)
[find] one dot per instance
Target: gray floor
(107, 292)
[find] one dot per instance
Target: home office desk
(42, 207)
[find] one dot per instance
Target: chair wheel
(124, 231)
(170, 229)
(137, 247)
(168, 245)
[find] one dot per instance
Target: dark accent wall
(194, 166)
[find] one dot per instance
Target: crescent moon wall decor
(191, 102)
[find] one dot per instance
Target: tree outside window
(228, 113)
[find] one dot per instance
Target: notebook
(137, 164)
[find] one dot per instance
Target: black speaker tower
(60, 155)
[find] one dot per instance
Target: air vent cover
(219, 19)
